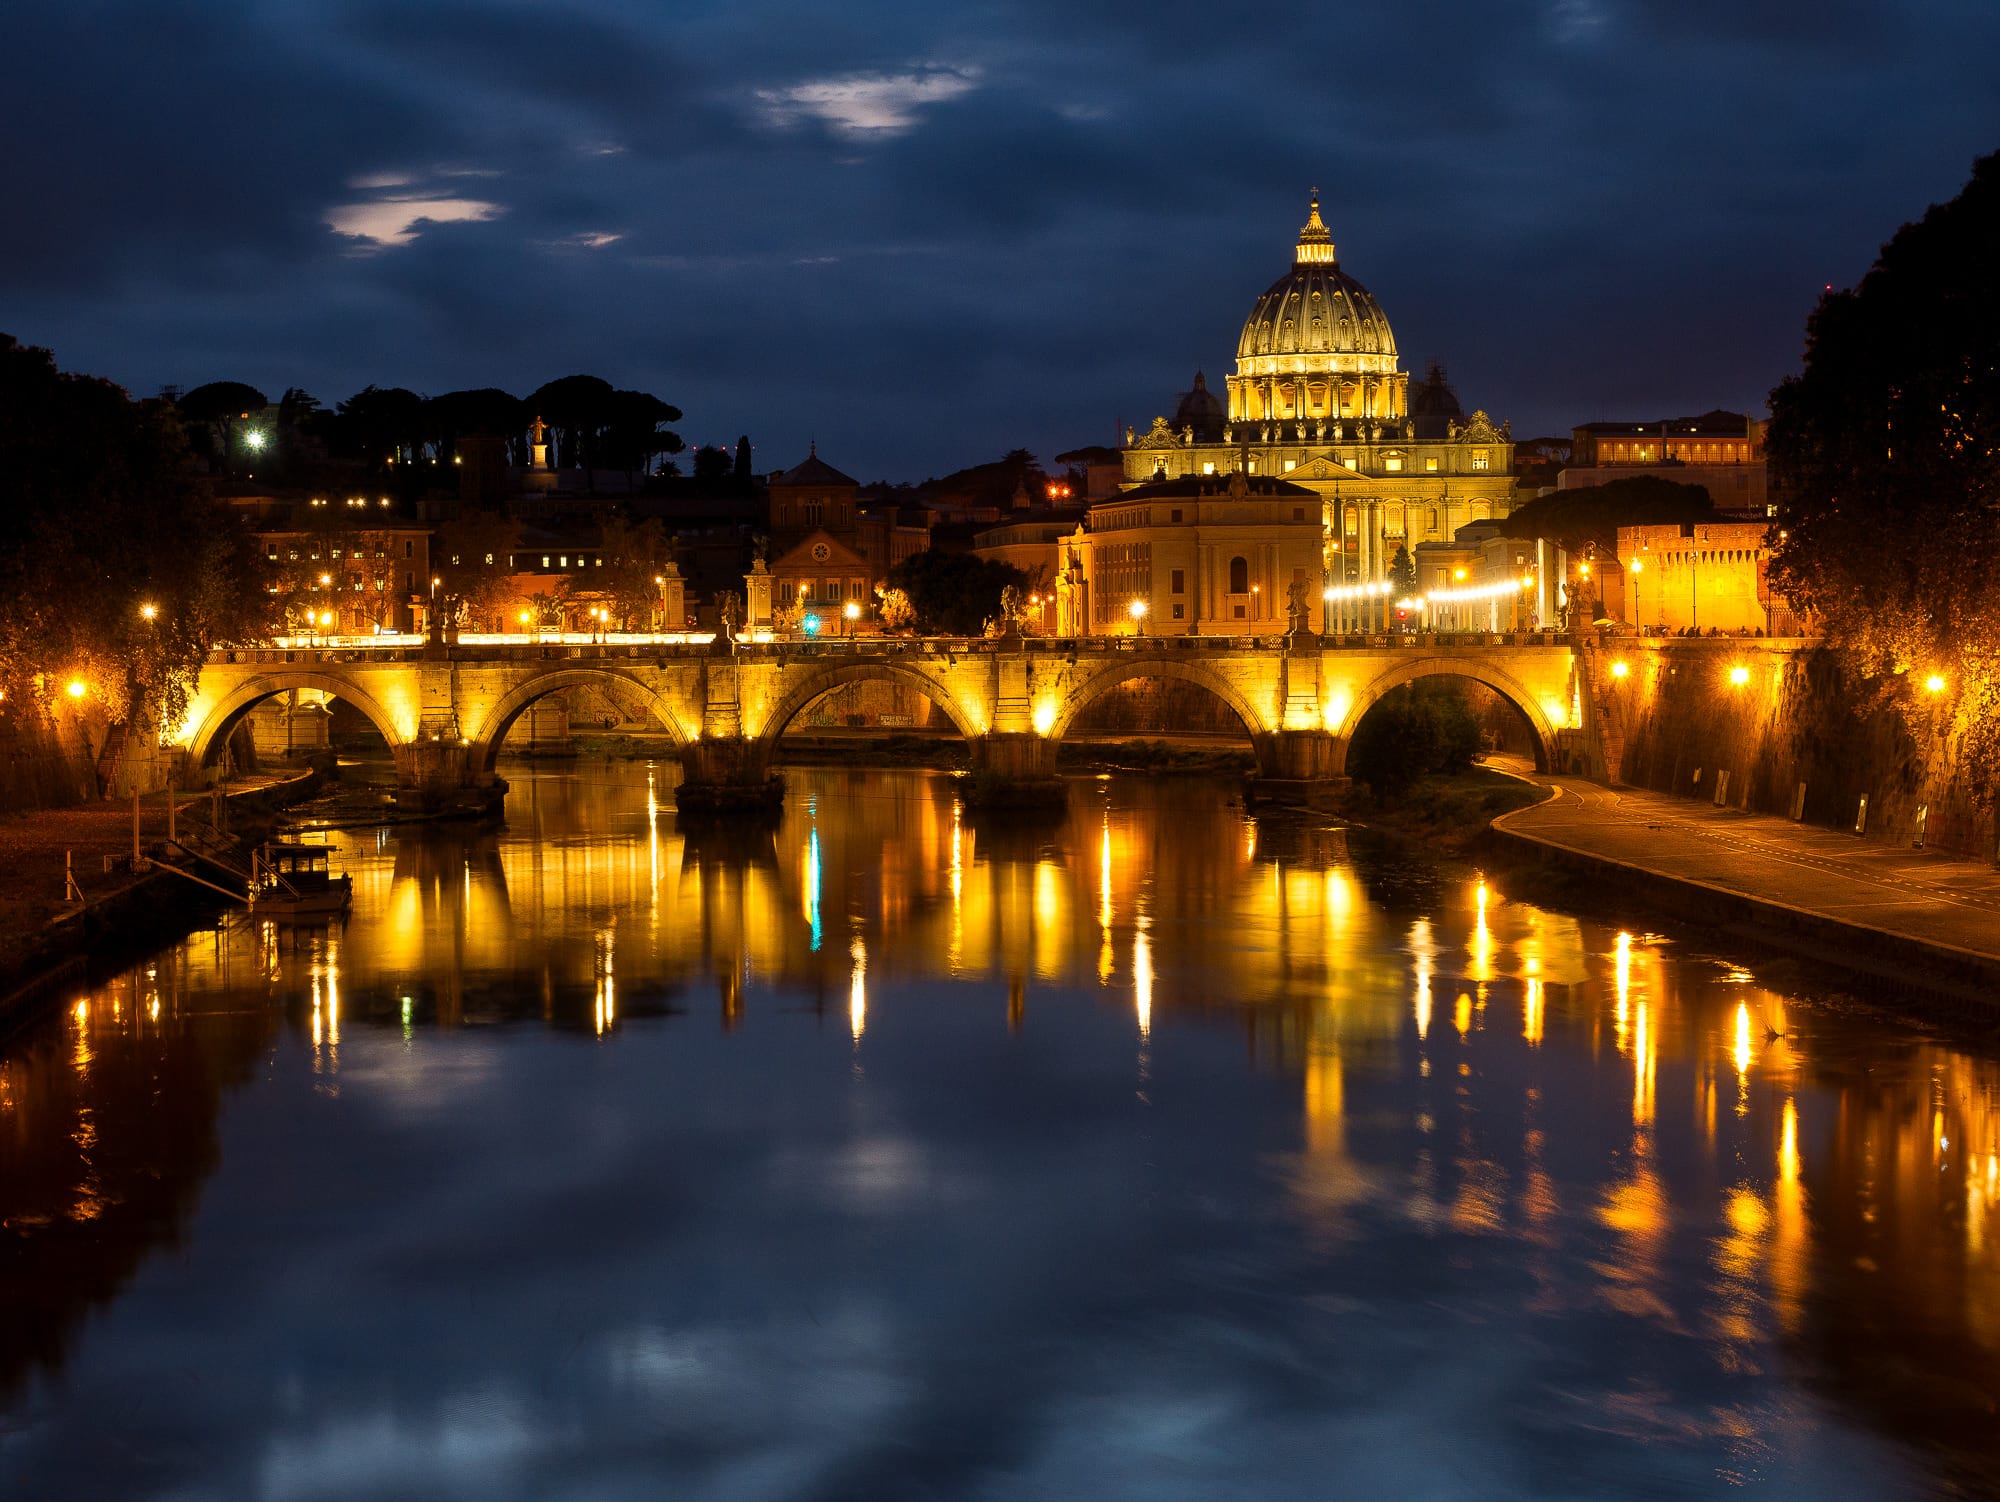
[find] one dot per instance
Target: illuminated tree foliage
(635, 556)
(473, 559)
(1885, 456)
(102, 514)
(953, 594)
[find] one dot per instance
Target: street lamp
(851, 611)
(1934, 684)
(1739, 675)
(1326, 610)
(1138, 613)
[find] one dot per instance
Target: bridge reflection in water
(1285, 1095)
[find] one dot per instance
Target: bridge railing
(618, 646)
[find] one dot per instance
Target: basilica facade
(1318, 462)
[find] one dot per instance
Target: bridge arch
(825, 681)
(1083, 694)
(514, 703)
(222, 718)
(1542, 731)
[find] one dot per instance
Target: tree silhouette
(219, 415)
(102, 513)
(1885, 459)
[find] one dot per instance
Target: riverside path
(1884, 904)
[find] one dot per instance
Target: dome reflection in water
(893, 1153)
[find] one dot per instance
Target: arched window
(1239, 577)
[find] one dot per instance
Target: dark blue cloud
(926, 234)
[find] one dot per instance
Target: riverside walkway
(1880, 904)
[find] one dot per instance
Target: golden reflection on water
(1844, 1204)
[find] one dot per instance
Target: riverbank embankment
(1909, 916)
(48, 933)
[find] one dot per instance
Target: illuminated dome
(1317, 352)
(1317, 311)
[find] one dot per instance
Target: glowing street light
(1620, 669)
(1138, 610)
(1739, 675)
(1934, 684)
(254, 440)
(149, 612)
(850, 612)
(77, 688)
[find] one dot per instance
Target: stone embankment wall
(47, 761)
(1677, 720)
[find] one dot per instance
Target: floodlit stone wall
(1773, 714)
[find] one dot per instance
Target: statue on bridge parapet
(1298, 618)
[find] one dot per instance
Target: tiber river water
(1161, 1153)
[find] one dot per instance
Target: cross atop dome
(1315, 247)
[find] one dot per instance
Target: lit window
(1208, 467)
(1290, 465)
(1479, 459)
(545, 560)
(1430, 466)
(1393, 463)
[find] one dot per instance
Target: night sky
(928, 233)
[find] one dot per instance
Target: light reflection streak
(653, 837)
(1482, 940)
(1623, 973)
(1532, 1005)
(1424, 947)
(605, 1002)
(1789, 1252)
(955, 949)
(811, 887)
(1106, 961)
(857, 988)
(1142, 976)
(1645, 1062)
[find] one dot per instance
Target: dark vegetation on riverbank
(1449, 811)
(45, 939)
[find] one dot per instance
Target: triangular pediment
(805, 557)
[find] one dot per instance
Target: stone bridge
(445, 710)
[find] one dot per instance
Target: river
(1156, 1151)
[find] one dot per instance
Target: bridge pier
(445, 776)
(726, 775)
(1014, 770)
(1299, 767)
